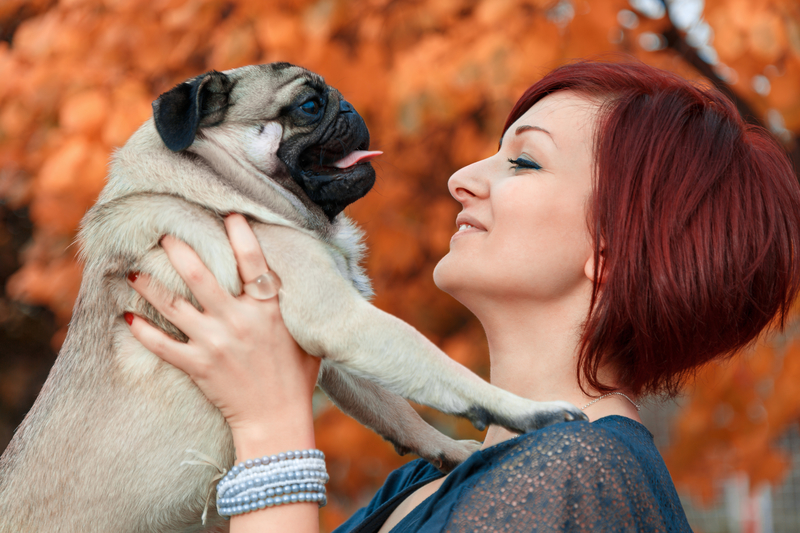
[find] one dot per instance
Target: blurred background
(434, 80)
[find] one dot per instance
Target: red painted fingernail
(132, 276)
(129, 318)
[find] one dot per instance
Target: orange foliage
(434, 80)
(761, 38)
(737, 410)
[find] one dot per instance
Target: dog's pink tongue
(356, 157)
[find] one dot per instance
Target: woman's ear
(589, 268)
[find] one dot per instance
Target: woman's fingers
(190, 267)
(173, 352)
(259, 282)
(173, 308)
(246, 248)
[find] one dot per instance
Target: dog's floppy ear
(181, 110)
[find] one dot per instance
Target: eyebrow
(525, 128)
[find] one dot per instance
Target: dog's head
(278, 120)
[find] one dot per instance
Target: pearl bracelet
(290, 477)
(264, 483)
(297, 472)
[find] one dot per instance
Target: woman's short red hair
(696, 217)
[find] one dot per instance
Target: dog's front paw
(549, 413)
(439, 450)
(455, 453)
(528, 417)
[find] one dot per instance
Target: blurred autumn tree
(434, 80)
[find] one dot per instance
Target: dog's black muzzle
(331, 187)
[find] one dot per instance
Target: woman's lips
(464, 229)
(466, 219)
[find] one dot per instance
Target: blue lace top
(590, 477)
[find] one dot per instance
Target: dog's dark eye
(310, 107)
(308, 110)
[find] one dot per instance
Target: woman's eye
(311, 107)
(521, 162)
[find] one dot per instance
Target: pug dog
(120, 441)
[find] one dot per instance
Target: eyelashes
(521, 162)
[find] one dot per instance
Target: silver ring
(264, 287)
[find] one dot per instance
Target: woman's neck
(533, 352)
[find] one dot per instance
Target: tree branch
(688, 53)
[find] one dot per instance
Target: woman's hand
(239, 352)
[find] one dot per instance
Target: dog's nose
(345, 107)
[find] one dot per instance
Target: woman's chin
(450, 277)
(443, 273)
(440, 275)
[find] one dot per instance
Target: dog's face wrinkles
(279, 121)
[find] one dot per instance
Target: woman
(629, 229)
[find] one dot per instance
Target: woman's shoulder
(609, 436)
(605, 475)
(586, 456)
(608, 440)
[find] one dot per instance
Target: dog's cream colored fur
(103, 448)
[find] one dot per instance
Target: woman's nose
(469, 182)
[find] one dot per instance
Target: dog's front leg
(393, 418)
(328, 318)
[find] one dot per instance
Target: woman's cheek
(542, 251)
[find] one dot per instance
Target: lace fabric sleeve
(576, 477)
